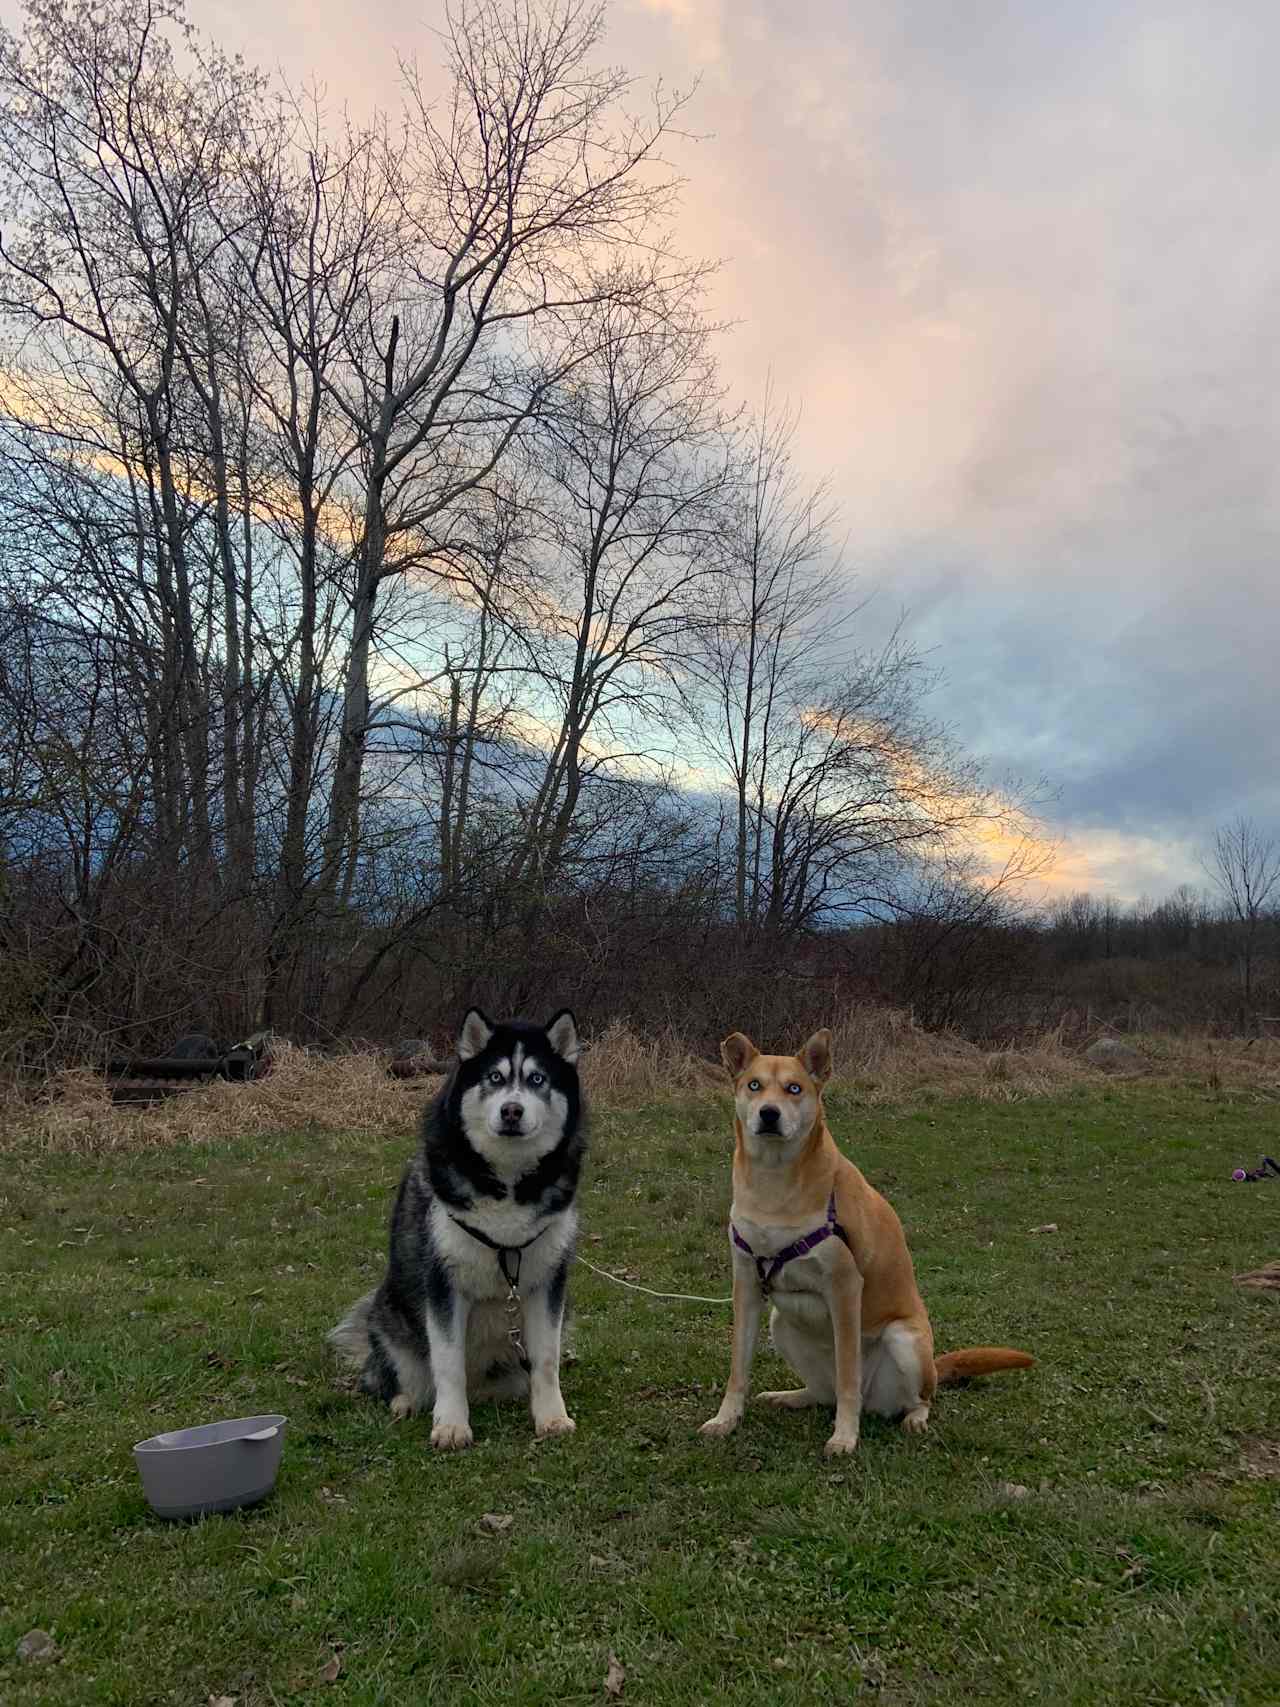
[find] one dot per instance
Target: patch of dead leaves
(615, 1678)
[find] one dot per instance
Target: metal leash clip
(513, 1308)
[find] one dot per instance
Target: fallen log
(147, 1078)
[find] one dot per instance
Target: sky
(1018, 263)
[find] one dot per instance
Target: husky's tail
(350, 1339)
(979, 1360)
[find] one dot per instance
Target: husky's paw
(840, 1444)
(451, 1437)
(917, 1421)
(791, 1399)
(553, 1426)
(718, 1427)
(402, 1406)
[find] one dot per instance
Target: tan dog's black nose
(769, 1117)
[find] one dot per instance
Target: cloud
(1022, 270)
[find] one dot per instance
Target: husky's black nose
(512, 1115)
(769, 1117)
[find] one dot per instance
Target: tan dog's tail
(979, 1360)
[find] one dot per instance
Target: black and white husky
(484, 1218)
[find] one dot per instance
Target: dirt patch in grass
(1261, 1458)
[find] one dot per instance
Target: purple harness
(769, 1268)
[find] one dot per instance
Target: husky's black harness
(509, 1263)
(505, 1252)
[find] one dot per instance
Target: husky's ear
(476, 1032)
(815, 1057)
(562, 1035)
(736, 1050)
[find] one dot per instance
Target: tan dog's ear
(815, 1057)
(736, 1050)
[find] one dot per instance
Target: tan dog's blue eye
(794, 1090)
(754, 1085)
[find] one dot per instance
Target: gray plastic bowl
(217, 1467)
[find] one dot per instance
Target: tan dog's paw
(917, 1421)
(791, 1399)
(718, 1427)
(451, 1437)
(553, 1426)
(840, 1444)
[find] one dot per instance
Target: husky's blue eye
(495, 1078)
(536, 1079)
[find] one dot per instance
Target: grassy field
(1103, 1529)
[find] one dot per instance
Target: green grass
(154, 1290)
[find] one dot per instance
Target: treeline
(394, 608)
(1201, 959)
(1206, 956)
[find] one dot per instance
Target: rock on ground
(38, 1645)
(1112, 1056)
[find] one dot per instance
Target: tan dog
(814, 1239)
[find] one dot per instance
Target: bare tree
(312, 227)
(841, 784)
(1243, 864)
(633, 453)
(523, 200)
(778, 614)
(863, 792)
(117, 130)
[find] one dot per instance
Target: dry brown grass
(880, 1055)
(302, 1092)
(886, 1058)
(621, 1066)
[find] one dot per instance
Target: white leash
(683, 1297)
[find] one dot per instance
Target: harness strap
(505, 1252)
(769, 1268)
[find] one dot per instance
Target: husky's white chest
(537, 1245)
